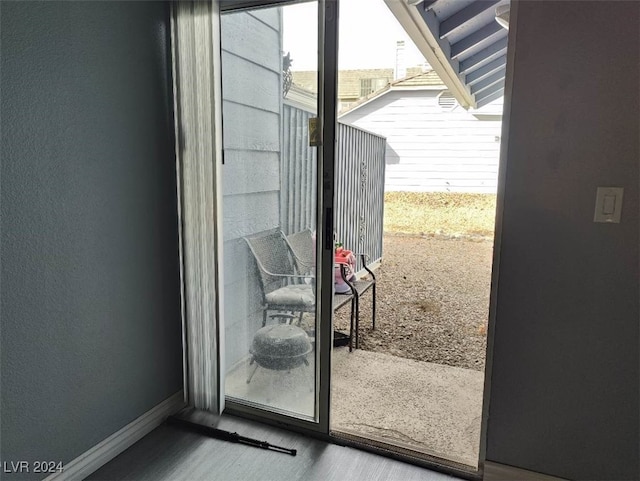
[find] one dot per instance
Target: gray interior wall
(565, 383)
(252, 109)
(91, 332)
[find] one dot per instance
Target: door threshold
(379, 448)
(411, 456)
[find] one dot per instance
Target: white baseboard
(503, 472)
(102, 453)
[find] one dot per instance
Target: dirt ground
(432, 300)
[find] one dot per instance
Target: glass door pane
(269, 208)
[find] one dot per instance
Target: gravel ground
(432, 300)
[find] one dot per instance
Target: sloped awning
(462, 42)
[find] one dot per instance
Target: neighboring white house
(433, 144)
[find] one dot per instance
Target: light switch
(608, 204)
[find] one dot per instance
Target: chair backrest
(273, 256)
(302, 246)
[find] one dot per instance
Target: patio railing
(359, 195)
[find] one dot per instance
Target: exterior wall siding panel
(430, 149)
(251, 174)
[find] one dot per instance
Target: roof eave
(429, 46)
(418, 87)
(390, 88)
(366, 100)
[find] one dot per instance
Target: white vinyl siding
(252, 110)
(431, 149)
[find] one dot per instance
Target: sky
(367, 36)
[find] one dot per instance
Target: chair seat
(294, 295)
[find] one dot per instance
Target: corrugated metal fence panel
(372, 199)
(347, 189)
(298, 173)
(359, 189)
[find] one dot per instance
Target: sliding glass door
(274, 210)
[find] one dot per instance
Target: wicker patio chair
(301, 244)
(283, 289)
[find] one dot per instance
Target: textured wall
(565, 385)
(91, 335)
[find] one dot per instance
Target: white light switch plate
(608, 205)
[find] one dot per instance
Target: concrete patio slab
(425, 407)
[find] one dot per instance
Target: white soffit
(462, 42)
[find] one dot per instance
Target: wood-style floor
(173, 454)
